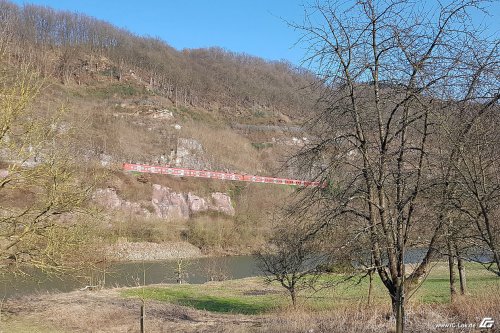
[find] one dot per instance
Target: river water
(131, 274)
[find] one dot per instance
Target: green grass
(436, 288)
(23, 326)
(198, 115)
(211, 297)
(262, 145)
(252, 296)
(120, 89)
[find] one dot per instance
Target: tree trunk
(451, 268)
(461, 273)
(496, 257)
(179, 271)
(370, 286)
(398, 306)
(294, 297)
(142, 316)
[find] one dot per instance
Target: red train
(180, 172)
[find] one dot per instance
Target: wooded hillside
(70, 45)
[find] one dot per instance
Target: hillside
(72, 47)
(134, 99)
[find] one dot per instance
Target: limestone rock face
(105, 159)
(168, 204)
(108, 198)
(222, 203)
(190, 154)
(171, 205)
(196, 204)
(4, 173)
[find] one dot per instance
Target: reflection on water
(136, 273)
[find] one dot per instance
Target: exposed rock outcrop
(168, 204)
(4, 173)
(222, 203)
(108, 198)
(190, 154)
(196, 204)
(171, 205)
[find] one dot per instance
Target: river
(130, 274)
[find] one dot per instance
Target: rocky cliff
(167, 204)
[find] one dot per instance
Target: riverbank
(250, 305)
(147, 251)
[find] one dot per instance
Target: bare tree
(291, 259)
(181, 270)
(389, 70)
(477, 198)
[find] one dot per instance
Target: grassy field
(252, 296)
(249, 305)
